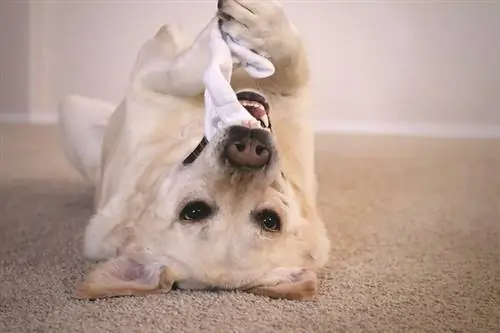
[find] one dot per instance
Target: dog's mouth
(255, 104)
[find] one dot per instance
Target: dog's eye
(195, 211)
(269, 220)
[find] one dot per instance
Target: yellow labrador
(238, 212)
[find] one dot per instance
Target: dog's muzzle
(244, 147)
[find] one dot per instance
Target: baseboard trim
(410, 129)
(323, 127)
(38, 118)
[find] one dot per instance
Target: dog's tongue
(258, 113)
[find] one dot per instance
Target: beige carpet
(415, 225)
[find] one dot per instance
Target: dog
(236, 213)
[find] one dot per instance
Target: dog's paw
(259, 25)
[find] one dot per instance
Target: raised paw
(259, 25)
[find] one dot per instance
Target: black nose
(248, 148)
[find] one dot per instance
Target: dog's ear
(302, 288)
(124, 276)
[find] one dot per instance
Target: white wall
(377, 66)
(14, 58)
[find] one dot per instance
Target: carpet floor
(415, 228)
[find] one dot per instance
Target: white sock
(222, 108)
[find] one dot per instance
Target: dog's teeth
(253, 104)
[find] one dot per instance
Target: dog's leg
(82, 123)
(181, 76)
(163, 47)
(262, 25)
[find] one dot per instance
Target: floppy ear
(302, 288)
(124, 276)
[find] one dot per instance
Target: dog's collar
(196, 152)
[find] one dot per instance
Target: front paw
(259, 25)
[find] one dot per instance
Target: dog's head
(226, 218)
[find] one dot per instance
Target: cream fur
(140, 183)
